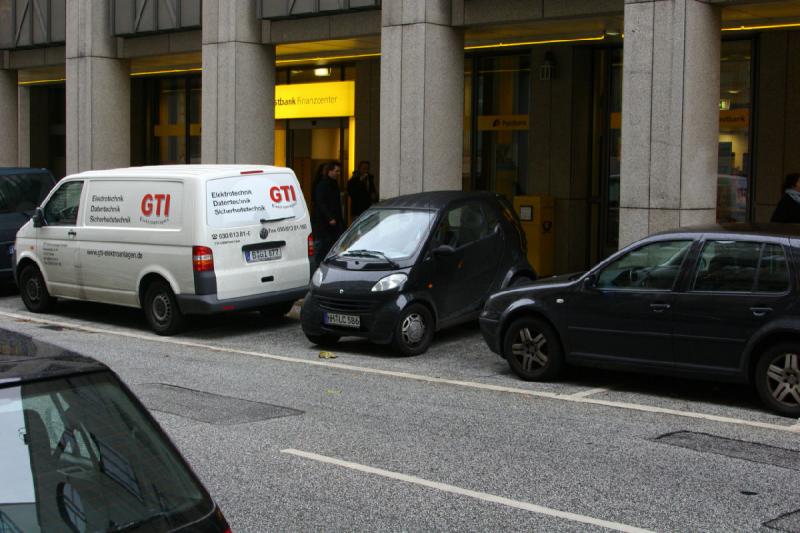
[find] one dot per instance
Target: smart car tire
(325, 340)
(777, 379)
(34, 290)
(533, 350)
(413, 333)
(161, 309)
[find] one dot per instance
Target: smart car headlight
(316, 279)
(390, 282)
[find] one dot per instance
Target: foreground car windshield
(79, 455)
(394, 233)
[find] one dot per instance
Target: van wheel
(413, 333)
(326, 340)
(33, 290)
(777, 379)
(532, 350)
(274, 311)
(161, 309)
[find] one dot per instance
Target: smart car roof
(433, 200)
(742, 228)
(23, 358)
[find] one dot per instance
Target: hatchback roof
(5, 171)
(23, 358)
(743, 228)
(178, 171)
(433, 200)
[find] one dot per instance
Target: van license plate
(345, 321)
(264, 254)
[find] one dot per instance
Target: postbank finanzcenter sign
(311, 100)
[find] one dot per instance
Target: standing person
(327, 209)
(361, 189)
(788, 209)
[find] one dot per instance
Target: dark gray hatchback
(716, 302)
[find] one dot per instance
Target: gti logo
(155, 204)
(283, 193)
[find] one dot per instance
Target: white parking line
(588, 392)
(483, 496)
(416, 377)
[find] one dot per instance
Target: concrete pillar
(238, 85)
(98, 91)
(8, 118)
(24, 126)
(670, 116)
(422, 98)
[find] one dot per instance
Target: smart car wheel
(275, 311)
(324, 340)
(414, 331)
(33, 290)
(161, 309)
(532, 349)
(777, 379)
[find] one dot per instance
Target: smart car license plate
(263, 254)
(345, 321)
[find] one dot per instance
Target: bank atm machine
(537, 214)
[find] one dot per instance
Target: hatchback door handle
(71, 233)
(760, 311)
(659, 308)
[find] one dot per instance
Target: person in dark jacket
(361, 189)
(328, 220)
(788, 210)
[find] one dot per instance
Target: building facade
(634, 115)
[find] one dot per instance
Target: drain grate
(208, 407)
(738, 449)
(790, 522)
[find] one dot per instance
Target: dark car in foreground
(413, 265)
(80, 453)
(21, 192)
(718, 302)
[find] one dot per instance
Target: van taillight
(202, 259)
(310, 245)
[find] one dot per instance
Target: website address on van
(115, 253)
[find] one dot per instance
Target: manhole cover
(789, 522)
(208, 407)
(738, 449)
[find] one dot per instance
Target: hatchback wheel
(33, 290)
(777, 379)
(532, 349)
(414, 331)
(161, 309)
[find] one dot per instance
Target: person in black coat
(361, 189)
(788, 209)
(328, 220)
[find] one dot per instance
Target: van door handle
(72, 233)
(760, 311)
(659, 308)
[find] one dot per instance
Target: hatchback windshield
(395, 234)
(79, 455)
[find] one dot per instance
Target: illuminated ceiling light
(322, 72)
(534, 43)
(167, 71)
(329, 58)
(42, 82)
(763, 27)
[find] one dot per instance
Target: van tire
(414, 331)
(161, 309)
(33, 290)
(276, 311)
(326, 340)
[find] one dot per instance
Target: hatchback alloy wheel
(783, 379)
(533, 350)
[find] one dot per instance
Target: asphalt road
(449, 440)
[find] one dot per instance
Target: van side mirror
(444, 249)
(38, 218)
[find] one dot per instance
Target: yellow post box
(537, 213)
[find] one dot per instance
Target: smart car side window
(462, 225)
(654, 266)
(62, 208)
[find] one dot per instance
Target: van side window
(62, 208)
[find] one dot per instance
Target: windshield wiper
(372, 253)
(264, 220)
(136, 524)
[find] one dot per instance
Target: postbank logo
(155, 208)
(283, 196)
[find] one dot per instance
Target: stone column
(238, 85)
(670, 116)
(98, 91)
(24, 126)
(422, 98)
(8, 118)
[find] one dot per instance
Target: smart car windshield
(387, 234)
(79, 455)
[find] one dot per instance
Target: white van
(174, 240)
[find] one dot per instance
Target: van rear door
(258, 227)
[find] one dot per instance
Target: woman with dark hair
(788, 210)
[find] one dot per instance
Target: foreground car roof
(5, 171)
(23, 358)
(744, 228)
(433, 200)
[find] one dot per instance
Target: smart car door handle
(659, 308)
(760, 311)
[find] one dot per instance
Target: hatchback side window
(773, 272)
(62, 208)
(462, 225)
(727, 266)
(654, 266)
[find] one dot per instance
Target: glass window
(23, 192)
(773, 272)
(62, 208)
(727, 266)
(396, 233)
(462, 225)
(654, 266)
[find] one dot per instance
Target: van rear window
(247, 200)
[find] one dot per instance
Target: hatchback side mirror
(38, 218)
(590, 281)
(444, 249)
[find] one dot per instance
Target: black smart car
(717, 302)
(80, 453)
(413, 265)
